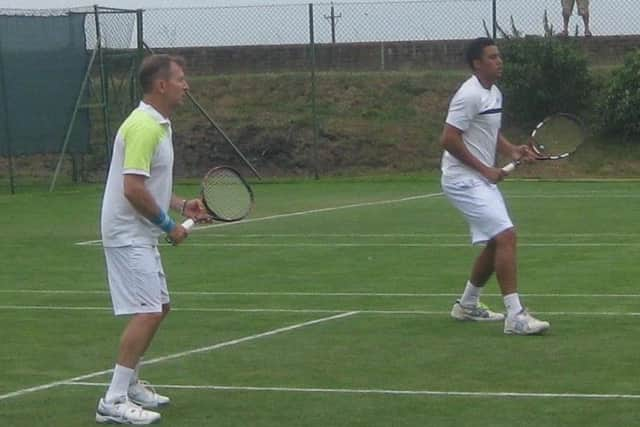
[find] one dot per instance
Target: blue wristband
(164, 221)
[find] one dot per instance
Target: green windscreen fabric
(43, 61)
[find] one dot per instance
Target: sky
(136, 4)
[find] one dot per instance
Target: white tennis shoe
(124, 412)
(476, 313)
(524, 324)
(141, 393)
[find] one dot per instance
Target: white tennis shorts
(482, 205)
(136, 279)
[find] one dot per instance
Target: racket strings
(557, 136)
(226, 195)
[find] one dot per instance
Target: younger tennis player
(471, 138)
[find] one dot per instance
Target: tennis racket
(555, 138)
(226, 196)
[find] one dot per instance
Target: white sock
(136, 374)
(471, 295)
(119, 383)
(512, 303)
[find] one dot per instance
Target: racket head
(557, 137)
(226, 195)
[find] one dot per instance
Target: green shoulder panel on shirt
(141, 134)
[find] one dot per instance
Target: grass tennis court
(329, 307)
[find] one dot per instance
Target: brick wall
(368, 56)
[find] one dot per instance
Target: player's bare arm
(451, 140)
(141, 199)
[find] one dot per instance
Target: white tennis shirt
(143, 146)
(477, 112)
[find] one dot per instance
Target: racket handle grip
(188, 224)
(510, 167)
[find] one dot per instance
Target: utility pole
(333, 18)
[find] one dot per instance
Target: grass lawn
(329, 307)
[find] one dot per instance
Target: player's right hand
(495, 175)
(178, 234)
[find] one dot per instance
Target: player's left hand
(195, 210)
(524, 153)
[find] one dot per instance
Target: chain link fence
(89, 87)
(374, 22)
(328, 88)
(342, 87)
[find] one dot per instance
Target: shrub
(620, 106)
(543, 76)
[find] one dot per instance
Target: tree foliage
(543, 76)
(619, 109)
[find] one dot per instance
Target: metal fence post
(314, 113)
(7, 132)
(495, 18)
(104, 90)
(136, 92)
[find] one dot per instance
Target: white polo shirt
(143, 146)
(477, 112)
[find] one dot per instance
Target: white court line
(311, 311)
(383, 391)
(415, 235)
(385, 202)
(385, 245)
(404, 245)
(178, 355)
(573, 196)
(300, 213)
(316, 294)
(89, 243)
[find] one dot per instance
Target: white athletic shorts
(136, 279)
(482, 205)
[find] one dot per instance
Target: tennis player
(471, 139)
(137, 197)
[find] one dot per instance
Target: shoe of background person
(478, 313)
(524, 324)
(141, 393)
(124, 412)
